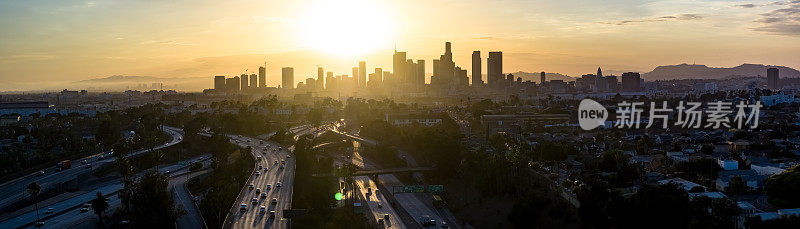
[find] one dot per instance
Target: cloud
(783, 21)
(751, 5)
(680, 17)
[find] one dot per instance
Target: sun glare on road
(345, 27)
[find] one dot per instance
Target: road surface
(14, 190)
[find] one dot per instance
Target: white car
(258, 158)
(278, 184)
(258, 172)
(243, 207)
(254, 200)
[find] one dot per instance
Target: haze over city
(407, 114)
(49, 43)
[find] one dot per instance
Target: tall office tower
(362, 74)
(219, 83)
(461, 77)
(435, 78)
(253, 81)
(398, 66)
(411, 73)
(262, 76)
(320, 79)
(631, 82)
(377, 78)
(773, 79)
(476, 68)
(420, 73)
(541, 81)
(330, 83)
(287, 77)
(494, 68)
(599, 72)
(233, 84)
(387, 77)
(446, 71)
(611, 83)
(355, 76)
(244, 81)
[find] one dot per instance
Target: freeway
(66, 213)
(378, 204)
(408, 201)
(276, 166)
(14, 191)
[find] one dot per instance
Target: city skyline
(620, 36)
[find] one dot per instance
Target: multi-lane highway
(14, 190)
(66, 213)
(271, 186)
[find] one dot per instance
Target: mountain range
(690, 71)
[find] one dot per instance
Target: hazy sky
(47, 42)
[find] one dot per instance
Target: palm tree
(34, 189)
(99, 205)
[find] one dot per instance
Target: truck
(65, 164)
(437, 202)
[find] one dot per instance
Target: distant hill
(687, 71)
(535, 77)
(121, 79)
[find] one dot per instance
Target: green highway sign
(435, 188)
(419, 188)
(408, 189)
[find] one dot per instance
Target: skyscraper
(377, 78)
(320, 78)
(287, 77)
(773, 79)
(232, 84)
(399, 68)
(420, 81)
(243, 82)
(362, 74)
(541, 81)
(219, 83)
(631, 82)
(253, 81)
(262, 76)
(476, 68)
(355, 76)
(494, 68)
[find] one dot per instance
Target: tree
(152, 205)
(782, 188)
(34, 190)
(100, 205)
(737, 185)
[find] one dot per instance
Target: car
(269, 186)
(84, 161)
(254, 200)
(283, 162)
(278, 184)
(380, 221)
(266, 169)
(276, 162)
(386, 216)
(444, 225)
(39, 223)
(258, 172)
(258, 190)
(48, 211)
(260, 167)
(380, 205)
(274, 201)
(88, 166)
(84, 209)
(272, 214)
(258, 158)
(40, 173)
(281, 167)
(262, 209)
(263, 195)
(243, 207)
(251, 186)
(288, 156)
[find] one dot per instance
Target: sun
(346, 28)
